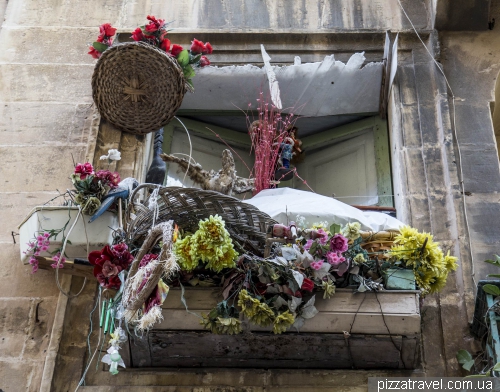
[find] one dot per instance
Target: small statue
(297, 153)
(286, 150)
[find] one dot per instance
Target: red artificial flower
(108, 178)
(110, 269)
(108, 262)
(197, 47)
(158, 22)
(165, 44)
(84, 169)
(208, 48)
(204, 61)
(146, 259)
(94, 53)
(307, 285)
(137, 35)
(106, 30)
(154, 24)
(113, 282)
(176, 49)
(151, 27)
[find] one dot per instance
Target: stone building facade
(47, 120)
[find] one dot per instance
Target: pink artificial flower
(146, 259)
(339, 243)
(40, 238)
(84, 169)
(204, 61)
(322, 236)
(334, 258)
(176, 49)
(108, 178)
(59, 261)
(317, 264)
(34, 264)
(44, 248)
(308, 244)
(46, 235)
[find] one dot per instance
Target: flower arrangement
(91, 187)
(267, 134)
(109, 262)
(418, 251)
(154, 32)
(41, 243)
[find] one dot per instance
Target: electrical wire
(190, 149)
(455, 136)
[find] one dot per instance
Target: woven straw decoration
(245, 223)
(137, 87)
(375, 243)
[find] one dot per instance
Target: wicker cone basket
(137, 87)
(245, 223)
(377, 243)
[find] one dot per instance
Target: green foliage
(465, 359)
(491, 289)
(183, 58)
(334, 229)
(100, 47)
(494, 262)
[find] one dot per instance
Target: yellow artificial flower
(359, 258)
(430, 266)
(209, 323)
(228, 326)
(351, 230)
(182, 249)
(263, 315)
(247, 303)
(283, 322)
(329, 289)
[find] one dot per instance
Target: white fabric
(317, 208)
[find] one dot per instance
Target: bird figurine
(125, 187)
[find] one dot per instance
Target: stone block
(415, 171)
(20, 376)
(32, 123)
(410, 125)
(14, 319)
(44, 44)
(40, 168)
(14, 207)
(46, 82)
(39, 328)
(420, 216)
(17, 280)
(474, 124)
(481, 169)
(435, 169)
(484, 215)
(57, 14)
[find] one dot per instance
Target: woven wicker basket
(376, 243)
(137, 87)
(187, 206)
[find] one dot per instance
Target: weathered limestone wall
(46, 121)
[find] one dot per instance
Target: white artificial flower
(113, 155)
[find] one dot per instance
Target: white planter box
(41, 219)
